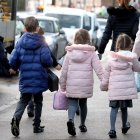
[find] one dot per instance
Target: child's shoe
(112, 134)
(15, 127)
(38, 129)
(71, 128)
(83, 128)
(125, 129)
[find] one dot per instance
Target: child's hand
(12, 72)
(58, 67)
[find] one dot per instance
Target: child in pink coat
(77, 77)
(119, 81)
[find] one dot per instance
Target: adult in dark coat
(122, 19)
(4, 63)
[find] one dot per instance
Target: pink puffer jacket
(119, 77)
(77, 71)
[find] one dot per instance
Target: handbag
(53, 81)
(60, 101)
(137, 80)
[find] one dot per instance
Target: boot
(38, 129)
(71, 128)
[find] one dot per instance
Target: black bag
(53, 81)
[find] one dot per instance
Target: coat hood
(123, 59)
(121, 11)
(79, 52)
(31, 41)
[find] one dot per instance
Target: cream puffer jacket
(136, 47)
(77, 71)
(119, 77)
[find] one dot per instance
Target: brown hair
(123, 42)
(124, 3)
(40, 31)
(82, 37)
(31, 24)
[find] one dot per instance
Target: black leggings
(73, 105)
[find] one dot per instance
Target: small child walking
(77, 77)
(119, 81)
(31, 56)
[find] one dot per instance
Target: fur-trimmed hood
(122, 59)
(81, 47)
(123, 55)
(121, 11)
(79, 52)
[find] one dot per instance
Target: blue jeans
(73, 105)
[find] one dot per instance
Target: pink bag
(60, 101)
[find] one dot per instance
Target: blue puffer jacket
(31, 56)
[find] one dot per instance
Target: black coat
(120, 20)
(4, 63)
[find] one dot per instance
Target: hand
(58, 67)
(100, 56)
(103, 88)
(12, 72)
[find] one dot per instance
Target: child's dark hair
(82, 37)
(123, 42)
(31, 23)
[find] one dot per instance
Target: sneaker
(30, 114)
(112, 134)
(39, 129)
(15, 127)
(125, 129)
(83, 128)
(71, 128)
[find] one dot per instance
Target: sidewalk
(55, 121)
(8, 92)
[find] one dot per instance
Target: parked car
(19, 29)
(102, 22)
(70, 19)
(55, 37)
(95, 30)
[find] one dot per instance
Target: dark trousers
(23, 102)
(30, 107)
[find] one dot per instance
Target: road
(55, 121)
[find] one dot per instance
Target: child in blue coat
(31, 56)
